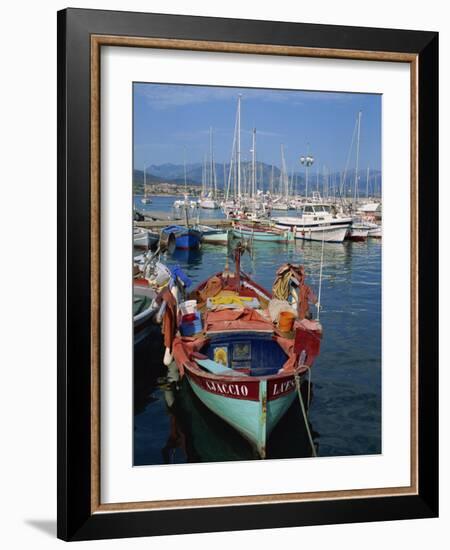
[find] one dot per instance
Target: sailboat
(208, 200)
(185, 237)
(369, 213)
(146, 198)
(282, 202)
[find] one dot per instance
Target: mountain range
(267, 177)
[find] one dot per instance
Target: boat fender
(168, 357)
(175, 293)
(160, 313)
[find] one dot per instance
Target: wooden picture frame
(81, 35)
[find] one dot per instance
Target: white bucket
(190, 306)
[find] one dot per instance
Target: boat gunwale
(192, 367)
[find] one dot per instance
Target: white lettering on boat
(283, 387)
(227, 389)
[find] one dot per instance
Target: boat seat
(217, 368)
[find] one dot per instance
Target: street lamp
(306, 161)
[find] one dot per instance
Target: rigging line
(320, 276)
(344, 177)
(233, 154)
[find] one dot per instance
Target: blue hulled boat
(179, 236)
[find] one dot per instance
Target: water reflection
(192, 257)
(192, 433)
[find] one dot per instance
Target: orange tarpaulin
(236, 319)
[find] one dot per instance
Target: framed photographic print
(247, 274)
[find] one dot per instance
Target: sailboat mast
(203, 176)
(145, 180)
(224, 176)
(367, 182)
(271, 181)
(357, 157)
(185, 183)
(211, 170)
(253, 163)
(239, 146)
(284, 175)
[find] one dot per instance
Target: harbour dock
(158, 219)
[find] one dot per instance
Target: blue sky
(169, 119)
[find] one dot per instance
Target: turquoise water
(345, 411)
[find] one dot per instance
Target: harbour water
(345, 411)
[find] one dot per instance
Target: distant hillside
(266, 178)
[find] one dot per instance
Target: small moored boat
(358, 231)
(213, 235)
(143, 238)
(179, 236)
(144, 309)
(258, 232)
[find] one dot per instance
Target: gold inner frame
(97, 41)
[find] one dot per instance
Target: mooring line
(302, 405)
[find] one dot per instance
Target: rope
(305, 419)
(309, 390)
(280, 287)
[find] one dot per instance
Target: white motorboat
(371, 207)
(357, 232)
(281, 206)
(209, 203)
(316, 222)
(375, 231)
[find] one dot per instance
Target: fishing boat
(150, 275)
(257, 232)
(180, 236)
(241, 361)
(144, 309)
(143, 238)
(140, 238)
(316, 222)
(213, 235)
